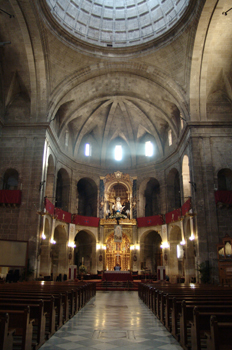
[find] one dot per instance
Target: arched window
(186, 177)
(118, 152)
(170, 137)
(88, 150)
(149, 149)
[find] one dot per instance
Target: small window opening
(118, 152)
(87, 150)
(170, 137)
(149, 149)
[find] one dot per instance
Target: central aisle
(113, 320)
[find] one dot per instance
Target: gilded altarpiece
(117, 252)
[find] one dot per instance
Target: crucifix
(117, 256)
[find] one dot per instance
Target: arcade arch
(87, 197)
(150, 251)
(85, 251)
(173, 190)
(62, 190)
(152, 202)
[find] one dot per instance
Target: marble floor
(113, 320)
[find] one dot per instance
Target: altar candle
(82, 261)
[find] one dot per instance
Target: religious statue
(117, 207)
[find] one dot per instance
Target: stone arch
(151, 194)
(49, 193)
(150, 251)
(175, 264)
(10, 179)
(186, 177)
(33, 44)
(85, 251)
(173, 190)
(151, 73)
(62, 189)
(59, 253)
(224, 177)
(87, 197)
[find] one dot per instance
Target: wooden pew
(36, 313)
(165, 301)
(219, 336)
(201, 323)
(23, 325)
(49, 310)
(6, 334)
(182, 310)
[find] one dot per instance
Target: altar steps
(117, 285)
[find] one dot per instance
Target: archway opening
(152, 203)
(62, 190)
(87, 197)
(151, 253)
(85, 251)
(173, 190)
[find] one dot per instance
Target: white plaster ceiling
(117, 23)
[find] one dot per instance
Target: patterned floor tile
(103, 324)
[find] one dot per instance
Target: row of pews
(31, 312)
(199, 317)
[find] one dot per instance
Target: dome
(117, 23)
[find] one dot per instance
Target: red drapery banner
(63, 215)
(223, 197)
(150, 221)
(10, 196)
(172, 216)
(85, 220)
(49, 206)
(186, 207)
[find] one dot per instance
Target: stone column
(203, 202)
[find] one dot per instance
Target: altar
(121, 276)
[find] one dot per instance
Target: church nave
(113, 320)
